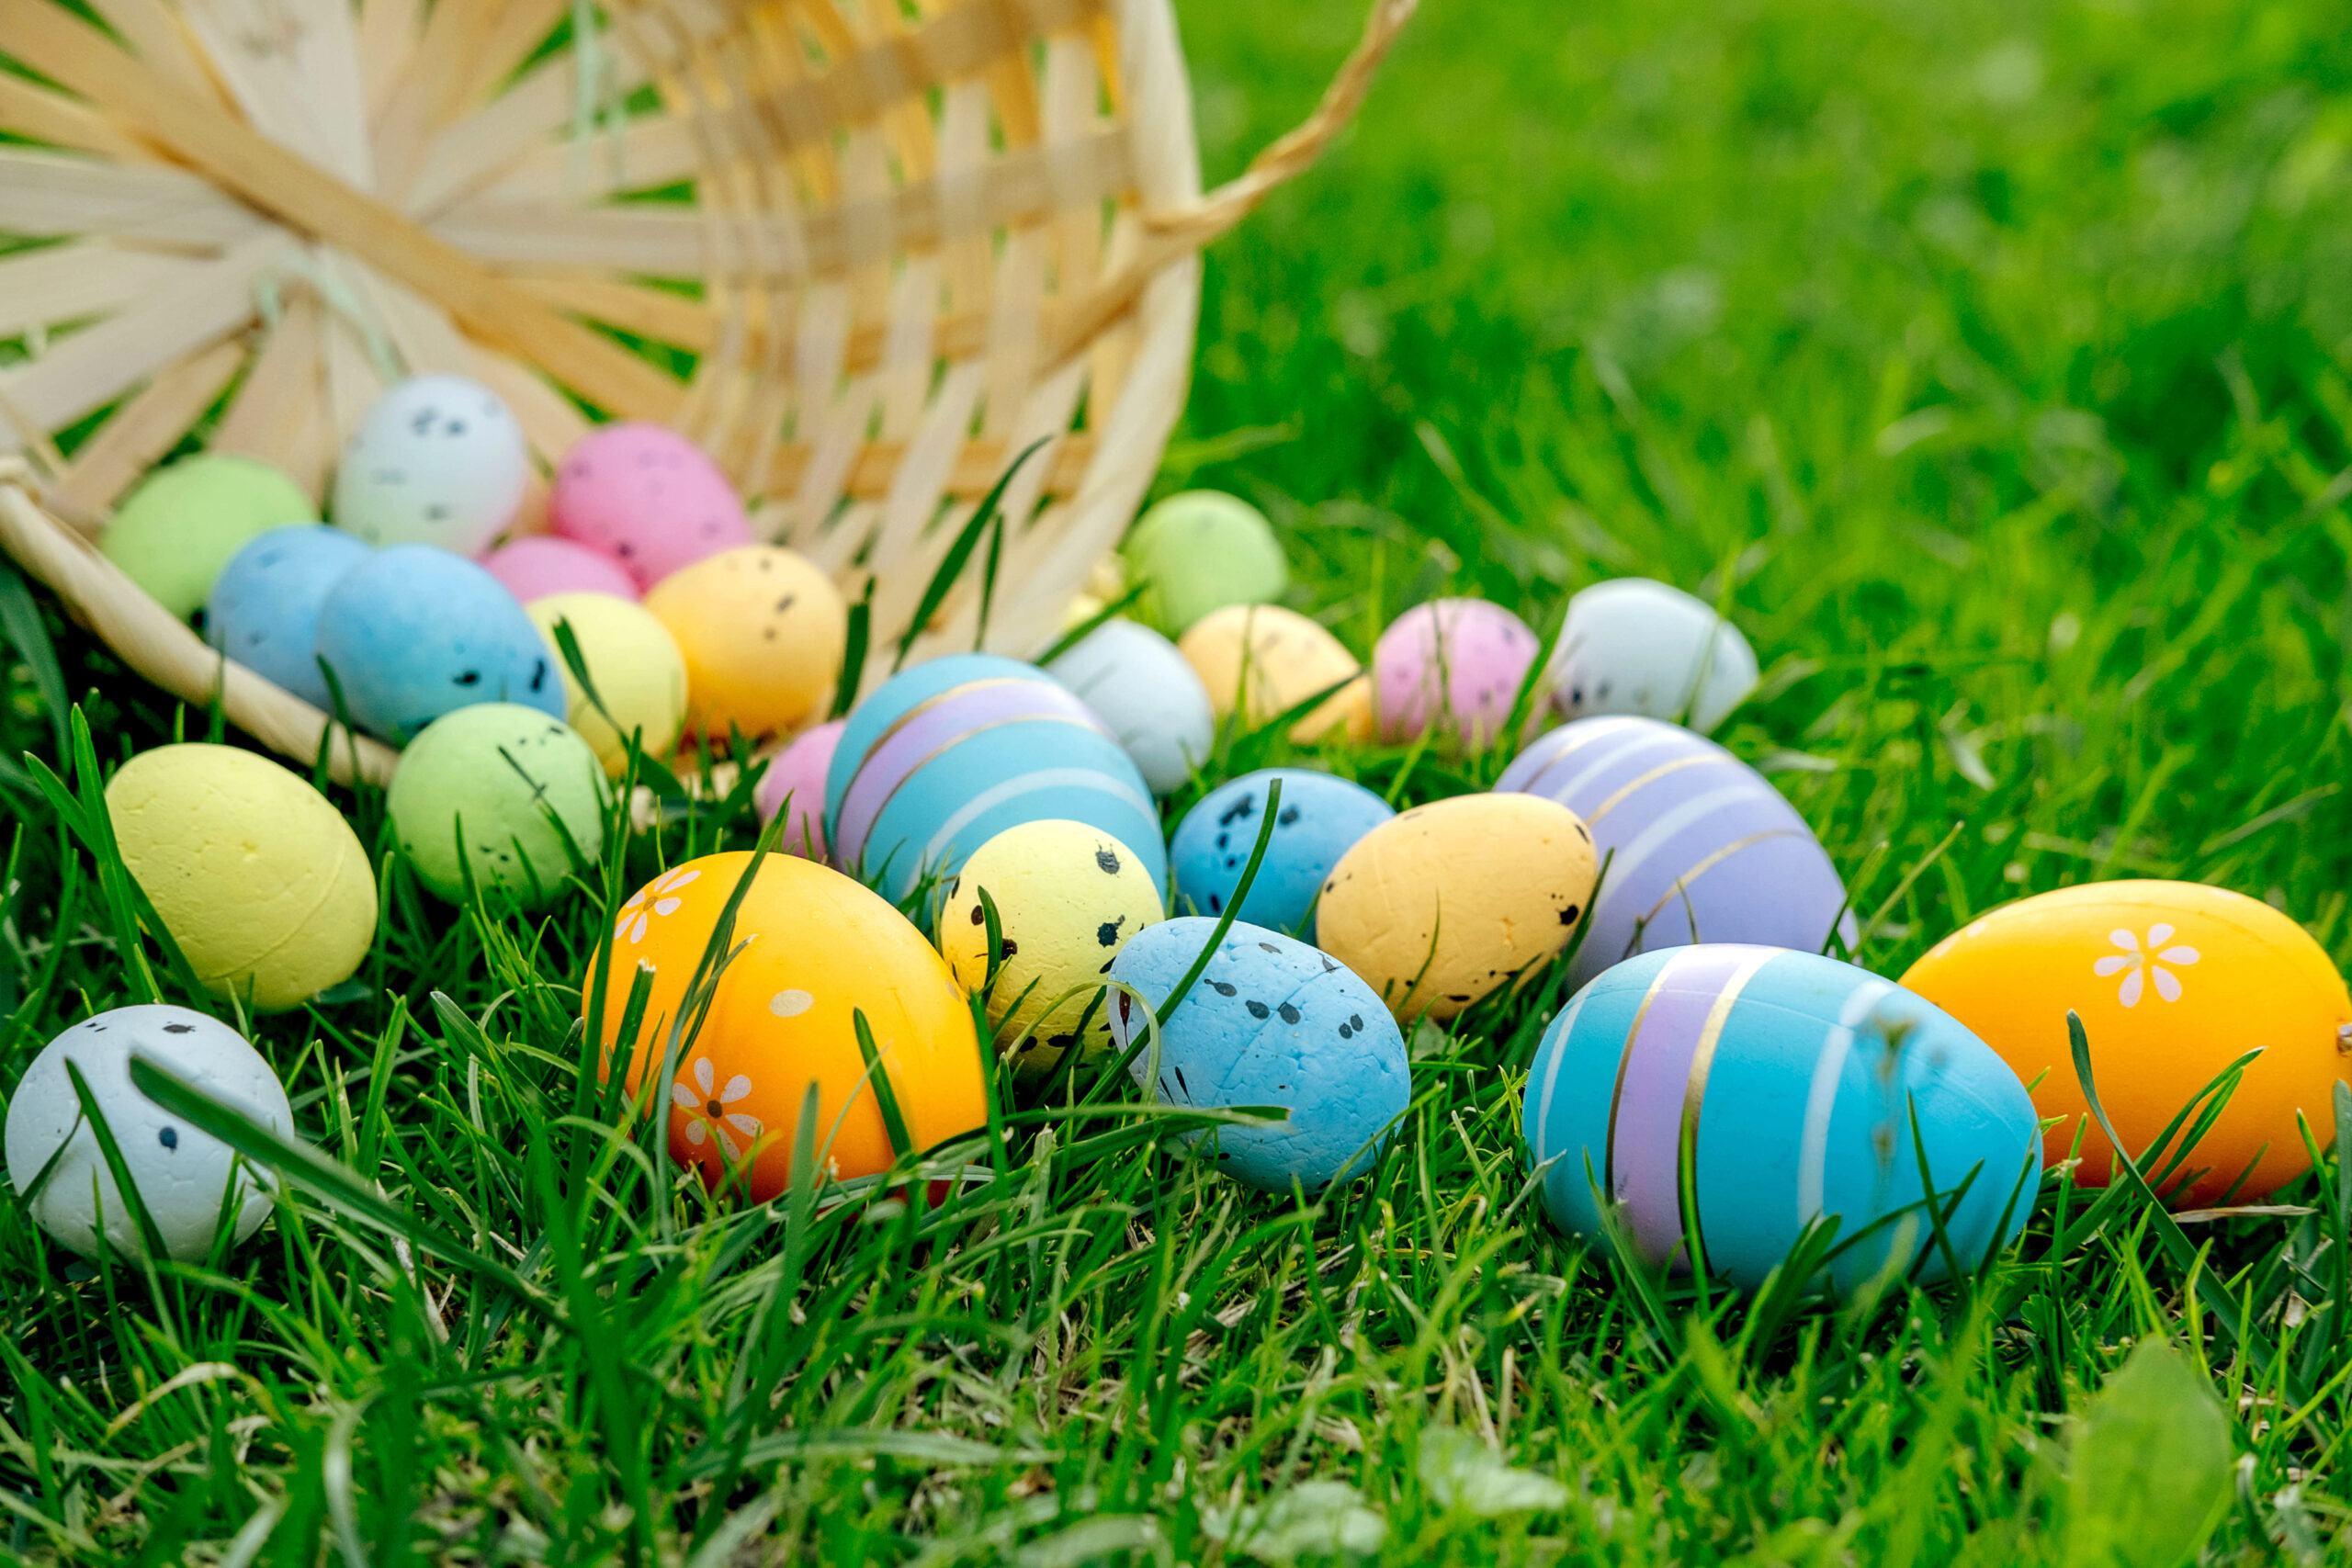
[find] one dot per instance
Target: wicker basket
(917, 238)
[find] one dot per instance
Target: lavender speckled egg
(796, 778)
(648, 497)
(264, 612)
(439, 460)
(1321, 819)
(415, 632)
(1455, 664)
(1270, 1022)
(1637, 647)
(1696, 845)
(539, 565)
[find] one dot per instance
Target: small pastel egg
(415, 632)
(1762, 1092)
(264, 609)
(1202, 550)
(1068, 897)
(815, 951)
(1285, 659)
(437, 460)
(763, 633)
(1138, 683)
(181, 1173)
(1270, 1022)
(796, 778)
(1631, 645)
(1451, 900)
(639, 676)
(488, 776)
(1453, 664)
(261, 883)
(648, 498)
(175, 533)
(1321, 819)
(2173, 981)
(539, 565)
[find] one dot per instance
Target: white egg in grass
(1138, 683)
(1635, 645)
(181, 1173)
(439, 460)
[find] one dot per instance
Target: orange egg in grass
(2173, 981)
(816, 948)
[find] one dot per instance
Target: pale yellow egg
(635, 665)
(1265, 661)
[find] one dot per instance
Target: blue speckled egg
(415, 632)
(1759, 1088)
(264, 609)
(899, 697)
(1321, 819)
(1271, 1021)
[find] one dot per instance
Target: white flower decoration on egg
(708, 1104)
(2138, 965)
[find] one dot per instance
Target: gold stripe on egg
(1624, 1060)
(954, 740)
(1694, 1094)
(1682, 883)
(1704, 760)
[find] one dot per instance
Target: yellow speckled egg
(1286, 659)
(1068, 896)
(2173, 981)
(259, 878)
(640, 677)
(816, 950)
(763, 632)
(1445, 903)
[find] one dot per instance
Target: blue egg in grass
(415, 632)
(1760, 1090)
(899, 697)
(1319, 820)
(263, 608)
(1270, 1022)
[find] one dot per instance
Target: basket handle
(1170, 236)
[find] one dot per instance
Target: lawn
(1991, 360)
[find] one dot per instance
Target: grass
(1993, 359)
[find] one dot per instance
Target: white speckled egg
(1147, 693)
(1633, 646)
(439, 460)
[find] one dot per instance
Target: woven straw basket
(893, 243)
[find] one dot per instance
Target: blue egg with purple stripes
(1763, 1091)
(263, 608)
(1271, 1021)
(1319, 819)
(415, 632)
(898, 697)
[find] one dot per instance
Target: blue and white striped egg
(1696, 845)
(1320, 818)
(1271, 1021)
(903, 697)
(1761, 1090)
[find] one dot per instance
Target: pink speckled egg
(536, 567)
(647, 496)
(799, 772)
(1454, 663)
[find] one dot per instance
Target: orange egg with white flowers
(2173, 981)
(813, 949)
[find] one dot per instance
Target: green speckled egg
(485, 772)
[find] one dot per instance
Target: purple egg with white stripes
(1696, 845)
(1760, 1093)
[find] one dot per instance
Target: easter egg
(173, 534)
(1142, 688)
(796, 779)
(1633, 646)
(181, 1173)
(904, 696)
(261, 883)
(1764, 1090)
(1284, 658)
(488, 776)
(648, 498)
(1451, 900)
(1068, 897)
(763, 633)
(1270, 1022)
(439, 460)
(2173, 981)
(1319, 819)
(538, 566)
(817, 950)
(1698, 846)
(264, 609)
(415, 632)
(1201, 550)
(1454, 665)
(633, 662)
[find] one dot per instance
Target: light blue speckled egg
(416, 632)
(1271, 1021)
(264, 609)
(1321, 819)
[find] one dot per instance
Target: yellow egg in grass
(635, 665)
(1265, 661)
(763, 632)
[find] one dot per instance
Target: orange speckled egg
(763, 632)
(2173, 981)
(1265, 661)
(815, 949)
